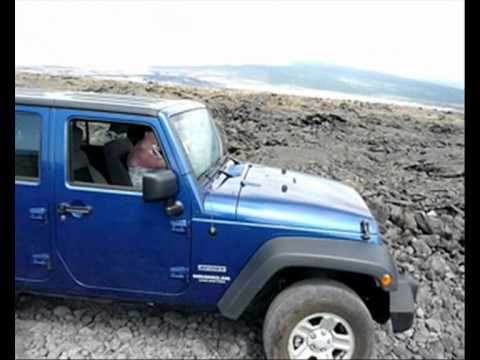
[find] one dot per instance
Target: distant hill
(303, 78)
(331, 78)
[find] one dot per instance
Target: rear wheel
(318, 319)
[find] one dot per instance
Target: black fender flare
(283, 252)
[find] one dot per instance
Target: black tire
(316, 296)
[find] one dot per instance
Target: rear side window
(27, 145)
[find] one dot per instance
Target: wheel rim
(321, 336)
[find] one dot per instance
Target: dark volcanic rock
(380, 210)
(424, 223)
(421, 248)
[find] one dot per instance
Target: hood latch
(365, 229)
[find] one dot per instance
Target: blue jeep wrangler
(206, 232)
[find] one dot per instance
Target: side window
(28, 140)
(112, 155)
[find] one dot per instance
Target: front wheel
(318, 319)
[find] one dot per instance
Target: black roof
(128, 104)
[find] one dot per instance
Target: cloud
(420, 39)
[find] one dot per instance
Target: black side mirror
(159, 186)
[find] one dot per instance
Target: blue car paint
(34, 195)
(133, 246)
(126, 248)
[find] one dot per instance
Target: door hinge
(180, 272)
(179, 226)
(42, 260)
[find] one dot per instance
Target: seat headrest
(119, 128)
(136, 133)
(117, 148)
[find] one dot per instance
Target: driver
(145, 157)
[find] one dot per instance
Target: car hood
(271, 196)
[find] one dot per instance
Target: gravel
(408, 163)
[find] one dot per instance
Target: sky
(415, 39)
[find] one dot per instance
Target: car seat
(116, 154)
(82, 170)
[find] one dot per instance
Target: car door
(108, 238)
(33, 194)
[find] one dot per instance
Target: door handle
(76, 210)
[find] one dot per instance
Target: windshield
(200, 139)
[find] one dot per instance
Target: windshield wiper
(213, 170)
(223, 172)
(218, 168)
(229, 157)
